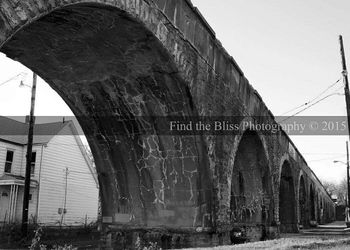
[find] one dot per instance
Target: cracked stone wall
(131, 58)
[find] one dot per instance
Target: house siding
(31, 206)
(82, 193)
(62, 151)
(38, 149)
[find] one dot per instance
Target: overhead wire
(313, 99)
(328, 158)
(313, 104)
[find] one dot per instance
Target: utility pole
(346, 81)
(65, 197)
(347, 172)
(347, 100)
(29, 161)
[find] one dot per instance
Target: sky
(288, 50)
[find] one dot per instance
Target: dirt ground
(291, 243)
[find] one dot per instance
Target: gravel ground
(291, 243)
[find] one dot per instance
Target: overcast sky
(288, 50)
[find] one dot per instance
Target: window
(32, 164)
(9, 160)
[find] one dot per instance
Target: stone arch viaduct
(125, 59)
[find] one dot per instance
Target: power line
(323, 153)
(313, 99)
(328, 158)
(313, 104)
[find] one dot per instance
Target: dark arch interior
(312, 204)
(302, 203)
(112, 72)
(251, 191)
(287, 200)
(318, 208)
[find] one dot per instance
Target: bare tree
(330, 187)
(342, 192)
(337, 189)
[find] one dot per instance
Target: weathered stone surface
(128, 59)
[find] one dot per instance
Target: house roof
(14, 131)
(17, 132)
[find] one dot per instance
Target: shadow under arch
(251, 185)
(110, 69)
(312, 200)
(287, 207)
(302, 202)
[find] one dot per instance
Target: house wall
(38, 149)
(17, 157)
(32, 204)
(81, 194)
(4, 202)
(18, 168)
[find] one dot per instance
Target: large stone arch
(113, 63)
(287, 206)
(236, 143)
(251, 189)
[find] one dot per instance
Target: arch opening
(251, 189)
(287, 209)
(312, 204)
(318, 209)
(112, 72)
(302, 203)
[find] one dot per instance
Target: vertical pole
(347, 100)
(65, 197)
(28, 162)
(346, 81)
(347, 172)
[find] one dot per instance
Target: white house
(63, 189)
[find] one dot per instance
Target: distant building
(63, 189)
(334, 198)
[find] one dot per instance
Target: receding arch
(312, 203)
(322, 211)
(113, 70)
(287, 211)
(318, 208)
(251, 187)
(302, 202)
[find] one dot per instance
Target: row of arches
(252, 195)
(313, 207)
(122, 67)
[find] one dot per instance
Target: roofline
(83, 151)
(11, 142)
(40, 143)
(22, 144)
